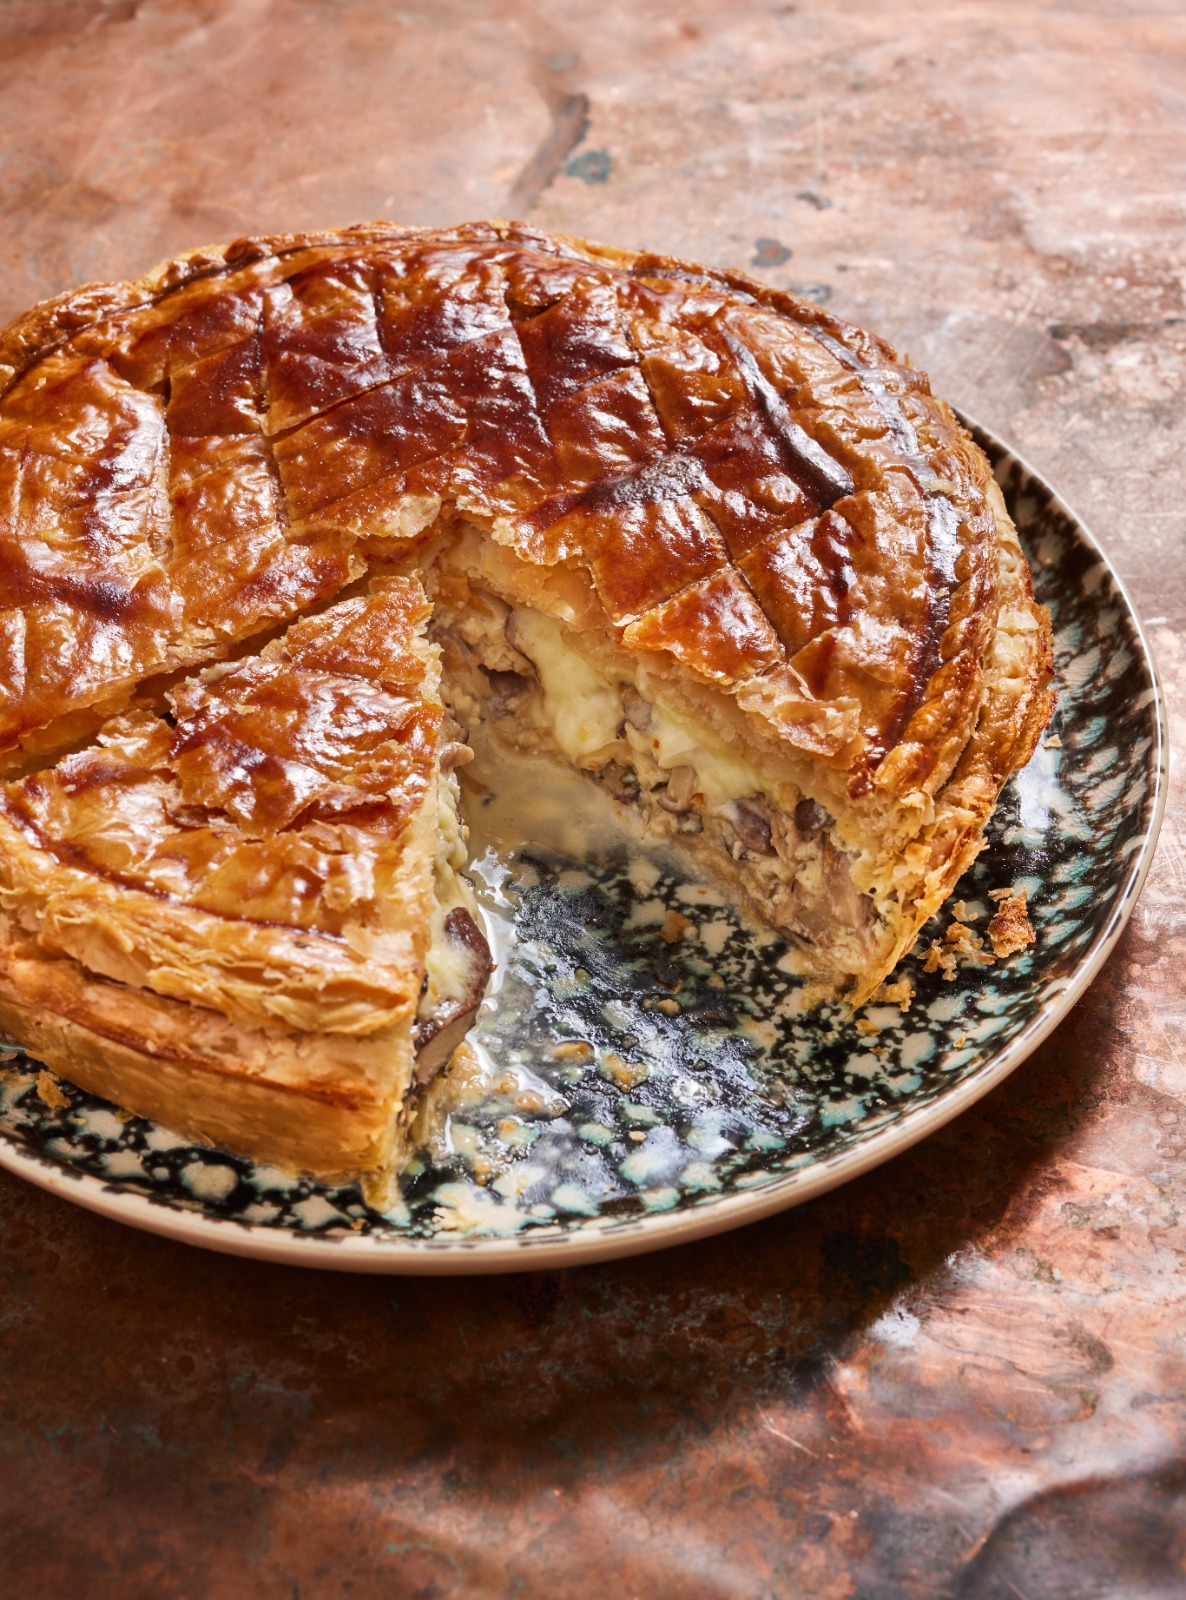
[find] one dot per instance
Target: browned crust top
(752, 487)
(259, 848)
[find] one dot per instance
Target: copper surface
(962, 1376)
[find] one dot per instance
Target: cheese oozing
(586, 714)
(584, 710)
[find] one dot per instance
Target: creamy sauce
(474, 1075)
(585, 712)
(584, 709)
(652, 1019)
(509, 803)
(514, 800)
(674, 741)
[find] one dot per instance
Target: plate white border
(604, 1241)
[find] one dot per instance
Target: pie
(241, 906)
(286, 527)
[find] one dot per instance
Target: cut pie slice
(241, 916)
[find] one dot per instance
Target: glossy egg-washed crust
(761, 496)
(216, 915)
(754, 487)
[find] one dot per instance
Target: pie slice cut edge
(234, 912)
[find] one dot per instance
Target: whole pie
(285, 526)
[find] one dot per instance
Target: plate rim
(459, 1255)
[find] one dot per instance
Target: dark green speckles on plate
(650, 1091)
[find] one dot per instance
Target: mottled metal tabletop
(963, 1375)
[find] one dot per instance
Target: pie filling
(510, 674)
(458, 962)
(513, 673)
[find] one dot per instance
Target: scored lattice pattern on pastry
(255, 849)
(761, 492)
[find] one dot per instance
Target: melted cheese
(673, 741)
(585, 712)
(447, 963)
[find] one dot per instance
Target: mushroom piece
(810, 819)
(507, 691)
(639, 712)
(751, 828)
(438, 1035)
(681, 786)
(620, 781)
(455, 750)
(835, 902)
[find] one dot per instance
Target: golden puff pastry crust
(744, 516)
(237, 890)
(750, 485)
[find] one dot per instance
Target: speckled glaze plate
(647, 1093)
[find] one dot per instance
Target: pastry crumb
(572, 1050)
(626, 1074)
(675, 925)
(937, 958)
(899, 993)
(863, 1025)
(1010, 930)
(1053, 743)
(968, 944)
(960, 944)
(50, 1092)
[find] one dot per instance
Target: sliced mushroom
(837, 902)
(522, 662)
(455, 752)
(751, 828)
(621, 781)
(810, 818)
(510, 629)
(681, 786)
(507, 691)
(438, 1035)
(639, 712)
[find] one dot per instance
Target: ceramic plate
(649, 1092)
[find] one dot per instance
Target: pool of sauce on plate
(597, 994)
